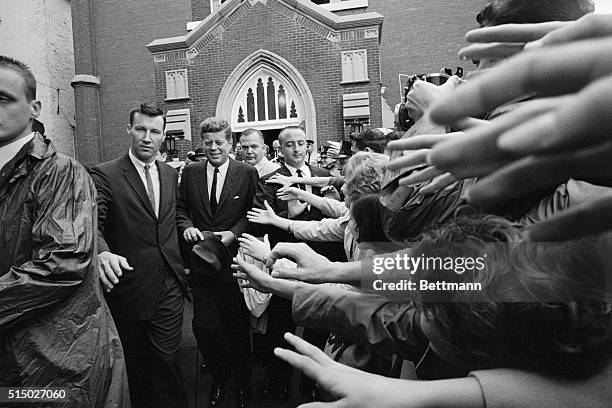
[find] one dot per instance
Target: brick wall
(317, 59)
(200, 9)
(422, 36)
(125, 66)
(418, 36)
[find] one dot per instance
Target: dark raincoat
(55, 328)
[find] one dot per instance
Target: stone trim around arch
(284, 69)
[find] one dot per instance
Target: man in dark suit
(215, 196)
(293, 146)
(140, 262)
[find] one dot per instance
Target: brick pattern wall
(422, 36)
(317, 59)
(200, 9)
(418, 36)
(125, 66)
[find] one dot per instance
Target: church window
(176, 84)
(354, 66)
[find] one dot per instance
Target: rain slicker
(55, 328)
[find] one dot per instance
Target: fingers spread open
(513, 32)
(417, 177)
(420, 141)
(409, 160)
(535, 172)
(476, 153)
(589, 26)
(543, 72)
(578, 121)
(490, 50)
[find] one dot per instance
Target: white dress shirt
(8, 152)
(265, 166)
(154, 177)
(210, 173)
(305, 173)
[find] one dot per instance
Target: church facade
(256, 63)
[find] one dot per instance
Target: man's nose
(147, 136)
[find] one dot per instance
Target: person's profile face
(252, 148)
(16, 111)
(147, 133)
(293, 147)
(216, 147)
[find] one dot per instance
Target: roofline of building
(319, 14)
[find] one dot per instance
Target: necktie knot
(299, 174)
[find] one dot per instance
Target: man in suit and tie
(293, 146)
(214, 196)
(140, 262)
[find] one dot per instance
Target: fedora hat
(210, 255)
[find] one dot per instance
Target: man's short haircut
(146, 109)
(26, 73)
(372, 138)
(543, 306)
(214, 125)
(288, 129)
(532, 11)
(252, 131)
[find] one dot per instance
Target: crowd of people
(504, 175)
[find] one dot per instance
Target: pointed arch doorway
(268, 93)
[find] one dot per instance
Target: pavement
(190, 369)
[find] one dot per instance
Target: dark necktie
(150, 191)
(300, 185)
(213, 193)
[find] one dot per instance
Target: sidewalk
(187, 356)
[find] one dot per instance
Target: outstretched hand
(252, 276)
(349, 387)
(311, 267)
(416, 153)
(281, 179)
(254, 247)
(545, 141)
(262, 216)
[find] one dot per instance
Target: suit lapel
(164, 188)
(131, 175)
(284, 170)
(231, 179)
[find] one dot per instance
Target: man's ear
(128, 129)
(35, 107)
(368, 150)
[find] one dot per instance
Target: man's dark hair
(531, 11)
(147, 110)
(214, 125)
(25, 72)
(372, 138)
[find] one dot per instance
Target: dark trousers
(280, 320)
(151, 352)
(221, 326)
